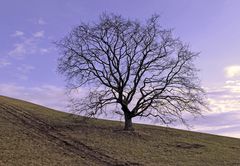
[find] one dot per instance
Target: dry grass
(34, 135)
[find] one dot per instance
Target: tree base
(128, 129)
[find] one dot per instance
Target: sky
(28, 57)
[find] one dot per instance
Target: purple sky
(28, 58)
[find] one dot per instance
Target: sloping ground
(34, 135)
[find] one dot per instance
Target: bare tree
(140, 67)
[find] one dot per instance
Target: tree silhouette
(140, 67)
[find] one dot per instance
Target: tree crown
(140, 67)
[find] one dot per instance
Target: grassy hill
(35, 135)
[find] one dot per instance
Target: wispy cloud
(4, 63)
(223, 119)
(39, 34)
(29, 45)
(25, 68)
(23, 71)
(232, 71)
(44, 50)
(224, 123)
(47, 95)
(225, 98)
(17, 33)
(41, 21)
(19, 49)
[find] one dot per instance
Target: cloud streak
(29, 45)
(41, 21)
(47, 95)
(232, 71)
(38, 34)
(225, 123)
(17, 33)
(4, 63)
(23, 71)
(225, 98)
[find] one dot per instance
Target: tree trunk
(128, 123)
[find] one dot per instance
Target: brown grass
(34, 135)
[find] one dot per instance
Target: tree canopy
(140, 67)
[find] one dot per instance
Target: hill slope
(34, 135)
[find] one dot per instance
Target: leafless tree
(138, 66)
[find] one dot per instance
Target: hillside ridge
(34, 135)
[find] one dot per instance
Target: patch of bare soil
(185, 145)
